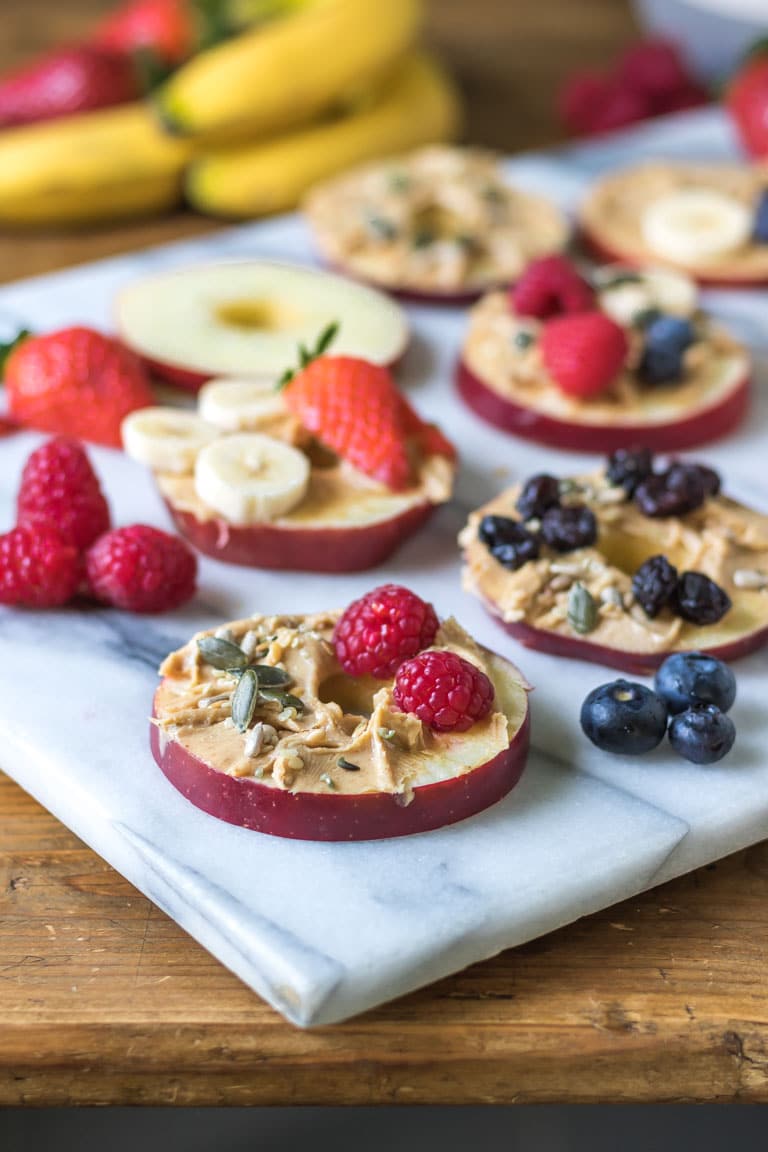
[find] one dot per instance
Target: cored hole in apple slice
(353, 694)
(628, 552)
(257, 315)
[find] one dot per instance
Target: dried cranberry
(699, 600)
(539, 493)
(566, 528)
(679, 490)
(628, 467)
(654, 583)
(707, 476)
(509, 541)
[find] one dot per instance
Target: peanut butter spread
(441, 219)
(502, 350)
(331, 732)
(723, 539)
(613, 211)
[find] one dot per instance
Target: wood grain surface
(103, 999)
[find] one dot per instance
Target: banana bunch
(244, 127)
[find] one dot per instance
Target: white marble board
(324, 931)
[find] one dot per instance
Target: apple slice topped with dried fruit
(245, 319)
(372, 723)
(328, 472)
(623, 566)
(625, 357)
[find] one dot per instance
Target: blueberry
(688, 678)
(567, 528)
(760, 228)
(666, 339)
(654, 583)
(538, 494)
(627, 467)
(699, 600)
(509, 541)
(702, 734)
(624, 717)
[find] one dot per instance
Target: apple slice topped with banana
(246, 481)
(702, 219)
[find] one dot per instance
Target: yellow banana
(93, 166)
(284, 73)
(417, 106)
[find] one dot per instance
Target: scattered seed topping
(254, 741)
(751, 578)
(326, 779)
(347, 765)
(208, 701)
(244, 699)
(221, 653)
(523, 339)
(381, 227)
(275, 696)
(582, 609)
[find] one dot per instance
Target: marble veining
(324, 931)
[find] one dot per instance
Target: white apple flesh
(246, 319)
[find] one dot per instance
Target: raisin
(628, 467)
(679, 490)
(539, 493)
(567, 528)
(654, 584)
(700, 600)
(509, 541)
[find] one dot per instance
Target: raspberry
(59, 487)
(38, 569)
(591, 104)
(583, 353)
(444, 690)
(381, 629)
(141, 569)
(656, 68)
(549, 287)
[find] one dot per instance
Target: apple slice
(301, 549)
(264, 807)
(636, 663)
(721, 410)
(246, 319)
(596, 246)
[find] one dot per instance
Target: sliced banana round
(240, 405)
(249, 478)
(167, 439)
(696, 225)
(624, 293)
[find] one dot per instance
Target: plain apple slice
(246, 319)
(262, 807)
(718, 417)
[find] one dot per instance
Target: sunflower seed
(750, 578)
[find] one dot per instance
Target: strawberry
(165, 28)
(354, 408)
(427, 438)
(75, 382)
(747, 101)
(76, 79)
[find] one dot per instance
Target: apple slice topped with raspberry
(596, 366)
(376, 722)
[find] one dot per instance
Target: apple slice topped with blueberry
(625, 565)
(602, 363)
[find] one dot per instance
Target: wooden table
(105, 1000)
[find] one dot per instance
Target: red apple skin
(312, 816)
(301, 549)
(606, 255)
(707, 425)
(636, 663)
